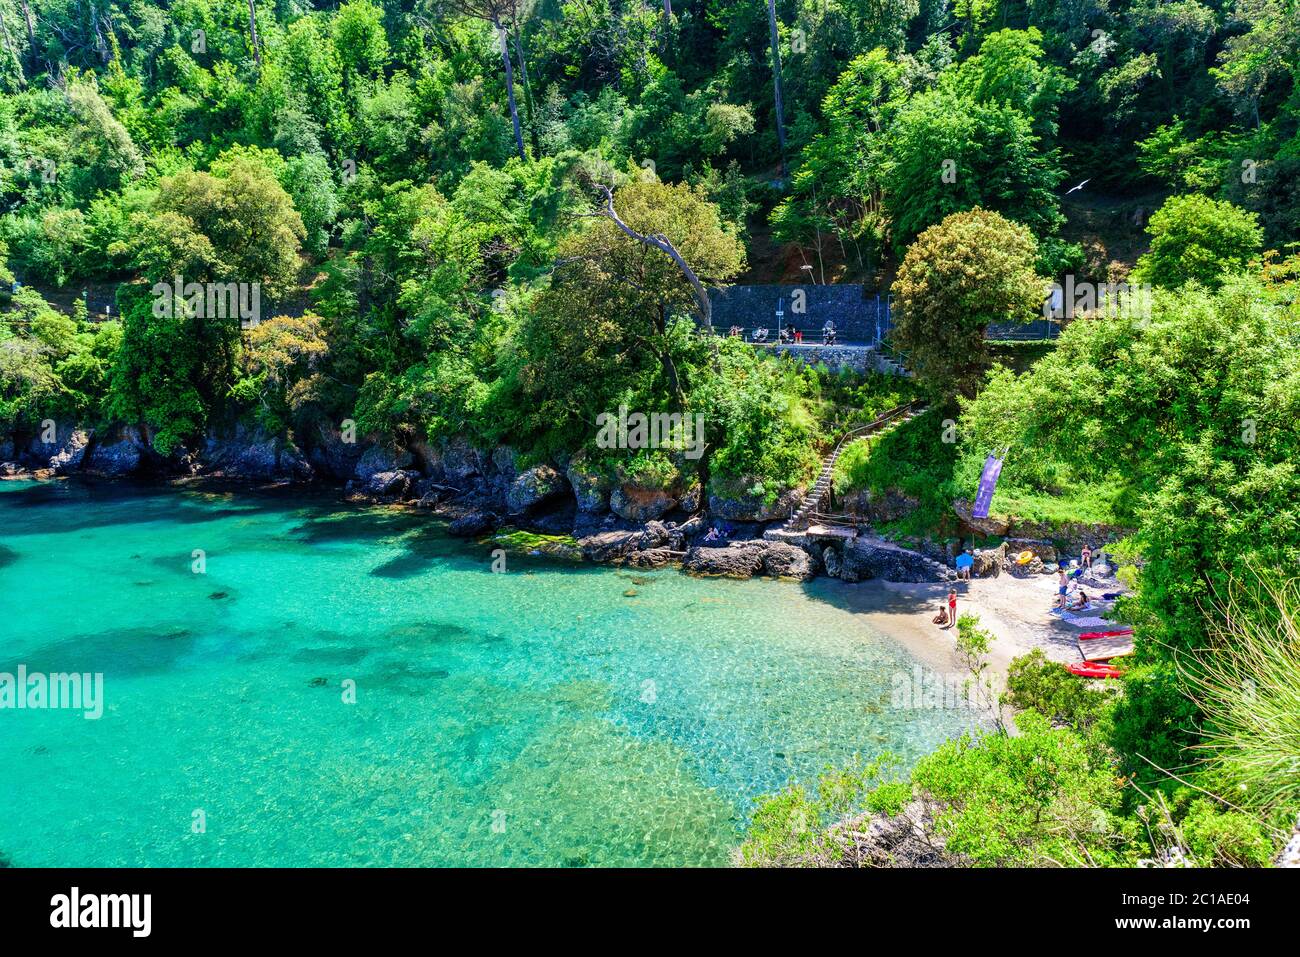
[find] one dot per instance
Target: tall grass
(1248, 686)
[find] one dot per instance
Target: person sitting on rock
(712, 534)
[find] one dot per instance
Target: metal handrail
(852, 435)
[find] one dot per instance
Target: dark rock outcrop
(252, 454)
(637, 504)
(460, 461)
(331, 456)
(737, 560)
(754, 507)
(590, 487)
(988, 561)
(534, 486)
(865, 558)
(783, 560)
(381, 458)
(609, 546)
(117, 453)
(71, 452)
(392, 486)
(651, 558)
(982, 526)
(472, 523)
(877, 509)
(654, 535)
(1045, 552)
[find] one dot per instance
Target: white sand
(1016, 611)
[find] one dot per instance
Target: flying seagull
(1080, 186)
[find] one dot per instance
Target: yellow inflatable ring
(1025, 557)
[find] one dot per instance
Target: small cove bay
(349, 686)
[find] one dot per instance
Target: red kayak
(1093, 669)
(1122, 633)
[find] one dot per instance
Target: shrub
(1195, 238)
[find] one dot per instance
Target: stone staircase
(821, 489)
(889, 365)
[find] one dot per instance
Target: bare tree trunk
(30, 19)
(100, 46)
(252, 30)
(510, 86)
(668, 8)
(9, 45)
(523, 76)
(776, 81)
(660, 242)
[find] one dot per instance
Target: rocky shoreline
(584, 513)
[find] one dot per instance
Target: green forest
(455, 218)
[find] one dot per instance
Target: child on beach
(952, 608)
(1063, 583)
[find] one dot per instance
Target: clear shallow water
(536, 717)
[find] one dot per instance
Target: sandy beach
(1016, 611)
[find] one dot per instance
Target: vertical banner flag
(988, 484)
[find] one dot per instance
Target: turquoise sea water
(543, 716)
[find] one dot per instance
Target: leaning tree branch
(660, 242)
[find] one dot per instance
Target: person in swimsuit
(952, 607)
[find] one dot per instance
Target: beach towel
(1088, 622)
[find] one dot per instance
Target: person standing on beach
(1063, 583)
(1085, 557)
(965, 562)
(952, 607)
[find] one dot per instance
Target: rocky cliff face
(614, 518)
(249, 454)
